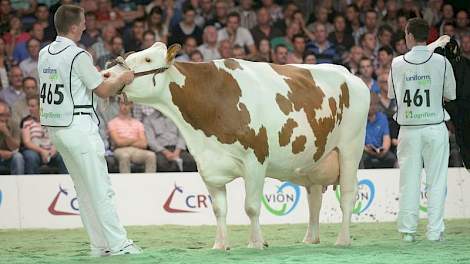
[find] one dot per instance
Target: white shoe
(408, 237)
(129, 249)
(99, 252)
(436, 238)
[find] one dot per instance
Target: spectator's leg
(58, 162)
(142, 156)
(388, 160)
(165, 165)
(32, 161)
(189, 164)
(124, 158)
(17, 164)
(112, 164)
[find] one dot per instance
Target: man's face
(462, 19)
(400, 47)
(42, 13)
(340, 24)
(246, 4)
(371, 20)
(320, 33)
(384, 58)
(125, 109)
(466, 44)
(448, 11)
(138, 29)
(233, 23)
(38, 31)
(263, 16)
(365, 68)
(108, 33)
(225, 49)
(117, 45)
(30, 88)
(206, 6)
(239, 53)
(220, 9)
(149, 40)
(386, 38)
(33, 48)
(356, 54)
(370, 41)
(5, 7)
(280, 55)
(189, 16)
(16, 78)
(90, 21)
(299, 44)
(33, 107)
(351, 14)
(211, 34)
(190, 45)
(449, 30)
(4, 113)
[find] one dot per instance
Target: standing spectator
(20, 52)
(133, 40)
(280, 54)
(220, 19)
(264, 30)
(264, 52)
(38, 148)
(186, 28)
(43, 17)
(117, 49)
(352, 61)
(14, 91)
(103, 45)
(209, 46)
(4, 65)
(377, 152)
(247, 14)
(236, 34)
(275, 10)
(189, 46)
(129, 10)
(10, 135)
(366, 69)
(342, 40)
(369, 45)
(20, 108)
(384, 60)
(159, 26)
(92, 33)
(29, 66)
(165, 139)
(296, 57)
(324, 51)
(354, 25)
(128, 137)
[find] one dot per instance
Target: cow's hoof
(311, 241)
(343, 243)
(258, 245)
(220, 246)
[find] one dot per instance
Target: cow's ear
(171, 52)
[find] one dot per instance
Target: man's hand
(369, 150)
(45, 155)
(168, 154)
(126, 77)
(6, 154)
(4, 129)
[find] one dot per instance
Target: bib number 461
(49, 96)
(417, 98)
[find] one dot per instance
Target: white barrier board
(49, 201)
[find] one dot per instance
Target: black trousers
(164, 165)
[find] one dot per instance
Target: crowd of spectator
(362, 35)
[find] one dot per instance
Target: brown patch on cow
(299, 144)
(286, 132)
(307, 96)
(232, 64)
(284, 104)
(343, 101)
(209, 101)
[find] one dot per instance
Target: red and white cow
(299, 123)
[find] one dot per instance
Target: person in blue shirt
(366, 71)
(377, 152)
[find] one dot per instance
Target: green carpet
(372, 243)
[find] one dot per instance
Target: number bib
(418, 89)
(56, 82)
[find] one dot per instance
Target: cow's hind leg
(254, 183)
(312, 236)
(219, 206)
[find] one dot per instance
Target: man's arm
(26, 136)
(10, 140)
(117, 139)
(141, 142)
(391, 90)
(449, 83)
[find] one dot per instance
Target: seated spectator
(116, 50)
(225, 49)
(237, 35)
(156, 24)
(106, 110)
(43, 17)
(292, 30)
(14, 92)
(166, 140)
(10, 134)
(296, 57)
(134, 39)
(15, 35)
(385, 36)
(369, 45)
(220, 19)
(321, 17)
(324, 51)
(29, 66)
(377, 152)
(247, 14)
(209, 46)
(107, 15)
(186, 28)
(384, 60)
(103, 45)
(129, 10)
(20, 108)
(20, 52)
(274, 9)
(342, 40)
(238, 52)
(352, 60)
(462, 23)
(264, 52)
(196, 56)
(466, 46)
(190, 45)
(130, 143)
(5, 63)
(385, 105)
(366, 70)
(264, 29)
(148, 39)
(354, 25)
(91, 34)
(38, 148)
(310, 58)
(280, 54)
(399, 44)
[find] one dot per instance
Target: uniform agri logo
(422, 80)
(412, 115)
(180, 202)
(283, 200)
(63, 204)
(365, 195)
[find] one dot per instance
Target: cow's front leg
(219, 206)
(312, 236)
(254, 183)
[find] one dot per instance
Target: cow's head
(150, 68)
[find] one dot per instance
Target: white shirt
(243, 37)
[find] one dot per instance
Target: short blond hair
(66, 16)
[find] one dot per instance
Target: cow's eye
(147, 60)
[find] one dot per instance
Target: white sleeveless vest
(418, 89)
(62, 93)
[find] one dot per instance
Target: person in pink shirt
(127, 135)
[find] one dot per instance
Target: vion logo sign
(282, 200)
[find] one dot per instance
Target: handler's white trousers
(428, 144)
(83, 152)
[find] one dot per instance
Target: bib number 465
(56, 97)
